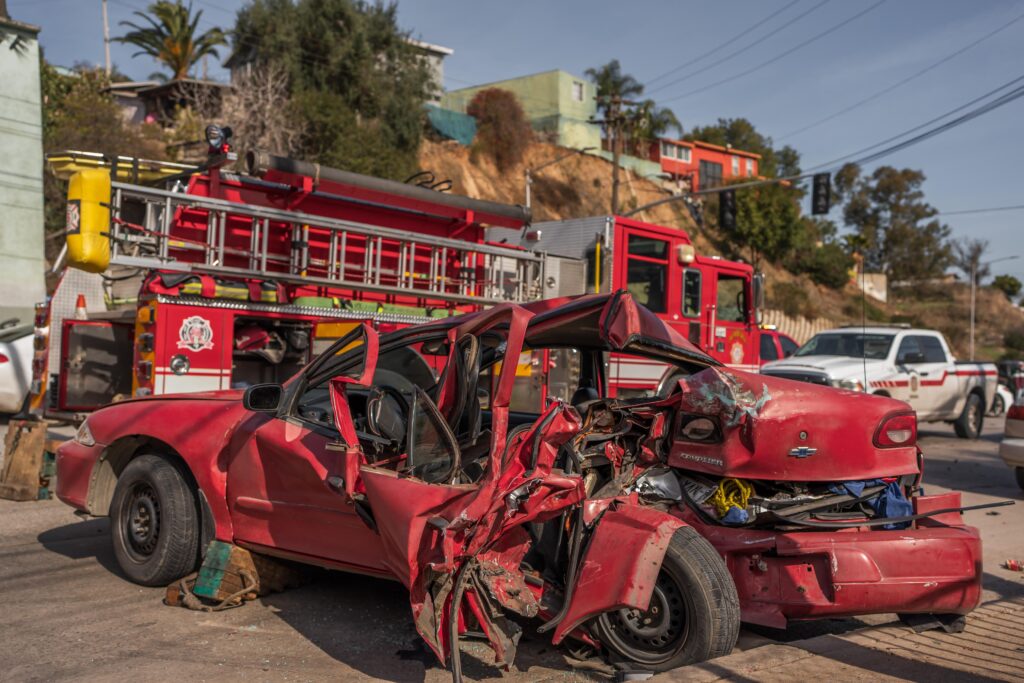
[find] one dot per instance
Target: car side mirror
(263, 398)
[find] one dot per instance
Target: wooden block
(24, 446)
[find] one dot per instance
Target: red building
(704, 165)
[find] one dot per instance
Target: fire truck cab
(711, 301)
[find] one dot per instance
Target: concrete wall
(555, 102)
(21, 172)
(799, 328)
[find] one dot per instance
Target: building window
(710, 174)
(666, 149)
(683, 154)
(750, 167)
(577, 91)
(735, 165)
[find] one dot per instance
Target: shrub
(828, 265)
(790, 298)
(502, 131)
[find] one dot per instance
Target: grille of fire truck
(153, 228)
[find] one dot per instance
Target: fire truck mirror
(263, 398)
(758, 284)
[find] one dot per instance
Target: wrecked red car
(645, 528)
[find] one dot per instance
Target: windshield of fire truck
(852, 344)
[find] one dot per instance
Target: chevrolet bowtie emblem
(803, 451)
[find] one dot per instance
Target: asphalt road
(67, 613)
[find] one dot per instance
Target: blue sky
(974, 166)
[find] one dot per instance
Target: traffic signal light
(821, 196)
(727, 210)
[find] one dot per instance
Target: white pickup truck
(909, 364)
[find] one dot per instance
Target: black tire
(972, 418)
(1019, 471)
(694, 613)
(998, 406)
(154, 522)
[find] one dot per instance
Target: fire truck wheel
(154, 522)
(694, 613)
(968, 425)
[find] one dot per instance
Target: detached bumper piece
(934, 567)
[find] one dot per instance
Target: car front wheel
(694, 613)
(154, 522)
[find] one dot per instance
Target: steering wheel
(387, 414)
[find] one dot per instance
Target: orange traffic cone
(80, 312)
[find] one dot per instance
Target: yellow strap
(731, 493)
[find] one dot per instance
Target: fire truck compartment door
(96, 363)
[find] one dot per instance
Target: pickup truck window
(933, 351)
(852, 344)
(919, 348)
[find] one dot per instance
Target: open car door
(437, 527)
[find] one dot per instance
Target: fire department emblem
(73, 222)
(195, 334)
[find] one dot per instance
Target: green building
(556, 102)
(21, 175)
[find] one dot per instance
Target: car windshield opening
(852, 344)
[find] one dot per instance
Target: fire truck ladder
(485, 274)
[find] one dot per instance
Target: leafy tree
(822, 255)
(171, 36)
(1008, 285)
(768, 223)
(502, 129)
(651, 122)
(967, 254)
(741, 134)
(894, 228)
(358, 85)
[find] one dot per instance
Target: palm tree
(171, 37)
(612, 82)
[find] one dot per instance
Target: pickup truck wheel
(968, 425)
(154, 522)
(694, 613)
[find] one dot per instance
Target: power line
(718, 47)
(947, 114)
(990, 209)
(922, 72)
(776, 58)
(736, 53)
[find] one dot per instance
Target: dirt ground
(66, 612)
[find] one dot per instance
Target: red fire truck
(219, 280)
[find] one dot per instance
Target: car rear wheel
(968, 425)
(154, 522)
(694, 614)
(998, 405)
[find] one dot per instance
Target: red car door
(283, 483)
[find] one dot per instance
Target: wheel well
(116, 457)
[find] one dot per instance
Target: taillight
(4, 358)
(897, 430)
(1016, 412)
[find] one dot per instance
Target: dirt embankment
(576, 187)
(581, 186)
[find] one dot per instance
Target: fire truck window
(768, 350)
(646, 271)
(648, 247)
(731, 300)
(691, 293)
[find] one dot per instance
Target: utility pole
(974, 289)
(106, 38)
(615, 124)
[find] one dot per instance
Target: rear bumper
(75, 465)
(816, 574)
(1011, 450)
